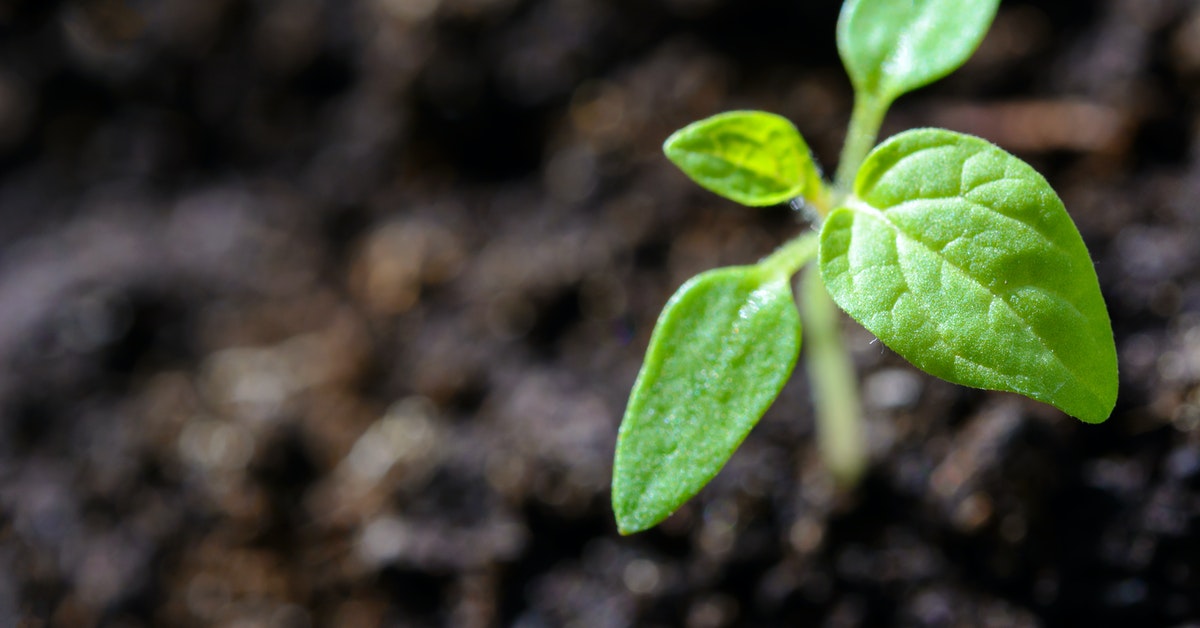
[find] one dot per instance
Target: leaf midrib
(857, 204)
(764, 174)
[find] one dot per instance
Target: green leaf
(961, 258)
(723, 347)
(750, 157)
(890, 47)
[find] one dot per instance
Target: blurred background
(324, 313)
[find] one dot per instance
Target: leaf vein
(897, 233)
(1046, 240)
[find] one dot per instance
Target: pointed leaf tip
(722, 350)
(962, 259)
(891, 47)
(750, 157)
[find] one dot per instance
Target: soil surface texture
(325, 313)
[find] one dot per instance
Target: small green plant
(955, 254)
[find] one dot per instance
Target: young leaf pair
(955, 254)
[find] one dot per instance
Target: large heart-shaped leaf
(750, 157)
(723, 348)
(961, 258)
(890, 47)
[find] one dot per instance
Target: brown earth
(323, 313)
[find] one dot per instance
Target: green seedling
(955, 254)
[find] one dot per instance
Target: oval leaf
(890, 47)
(723, 347)
(750, 157)
(961, 258)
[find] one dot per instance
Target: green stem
(788, 259)
(860, 138)
(840, 433)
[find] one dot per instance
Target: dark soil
(324, 313)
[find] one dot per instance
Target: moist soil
(324, 313)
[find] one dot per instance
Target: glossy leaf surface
(962, 259)
(723, 348)
(890, 47)
(750, 157)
